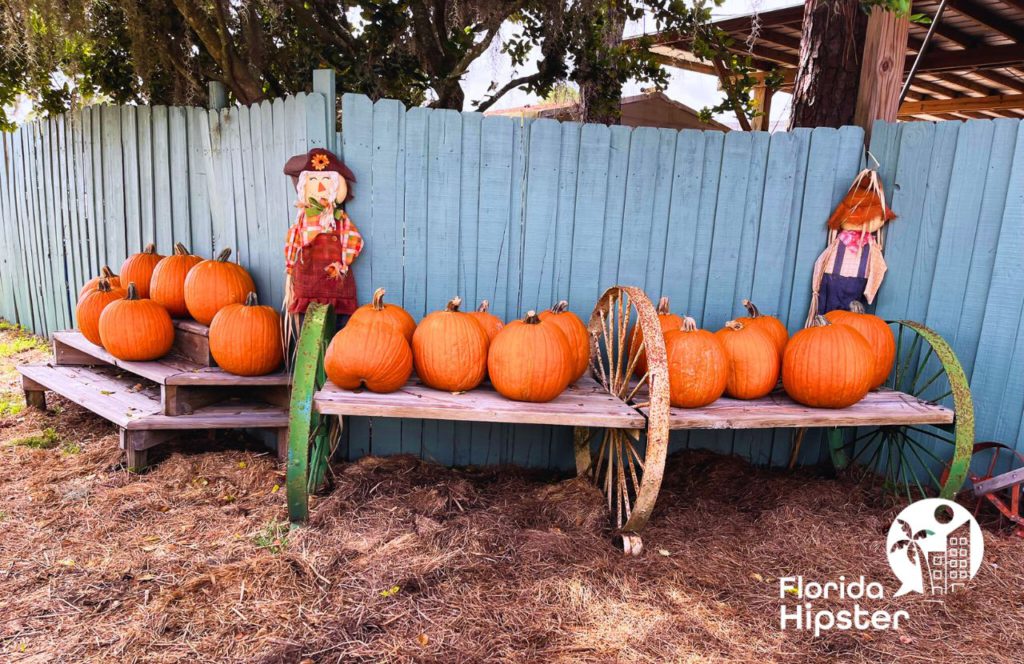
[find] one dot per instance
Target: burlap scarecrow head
(319, 174)
(863, 209)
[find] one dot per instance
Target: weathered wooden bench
(622, 424)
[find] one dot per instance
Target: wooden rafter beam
(1001, 79)
(962, 104)
(784, 16)
(989, 19)
(980, 56)
(966, 83)
(759, 51)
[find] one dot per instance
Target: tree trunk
(825, 90)
(600, 93)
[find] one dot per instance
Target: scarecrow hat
(318, 160)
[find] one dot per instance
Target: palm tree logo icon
(934, 547)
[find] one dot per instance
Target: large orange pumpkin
(826, 365)
(369, 353)
(666, 320)
(134, 329)
(89, 308)
(876, 332)
(753, 360)
(449, 349)
(530, 360)
(698, 368)
(245, 339)
(105, 273)
(491, 323)
(167, 286)
(575, 333)
(391, 313)
(769, 324)
(213, 284)
(138, 268)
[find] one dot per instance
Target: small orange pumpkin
(698, 368)
(167, 286)
(213, 284)
(530, 360)
(105, 273)
(449, 349)
(369, 352)
(392, 313)
(138, 268)
(491, 323)
(876, 332)
(769, 324)
(667, 320)
(136, 330)
(89, 308)
(245, 339)
(825, 365)
(753, 361)
(575, 333)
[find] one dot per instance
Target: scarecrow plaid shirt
(311, 223)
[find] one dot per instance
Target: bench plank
(97, 389)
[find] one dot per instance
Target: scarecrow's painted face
(870, 227)
(318, 184)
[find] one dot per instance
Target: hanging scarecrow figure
(852, 267)
(323, 242)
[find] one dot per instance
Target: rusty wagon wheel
(911, 458)
(626, 464)
(993, 484)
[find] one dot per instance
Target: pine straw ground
(408, 561)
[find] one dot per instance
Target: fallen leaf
(106, 392)
(149, 548)
(67, 562)
(151, 538)
(146, 577)
(664, 552)
(423, 640)
(277, 487)
(242, 464)
(756, 577)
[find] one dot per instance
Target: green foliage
(273, 537)
(11, 404)
(47, 439)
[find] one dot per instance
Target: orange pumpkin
(667, 320)
(105, 273)
(136, 330)
(698, 368)
(89, 308)
(392, 313)
(530, 360)
(878, 335)
(825, 365)
(167, 286)
(138, 268)
(575, 333)
(753, 360)
(369, 352)
(449, 349)
(491, 323)
(245, 339)
(213, 284)
(769, 324)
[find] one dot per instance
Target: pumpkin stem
(180, 249)
(819, 321)
(378, 299)
(734, 325)
(103, 286)
(150, 249)
(857, 307)
(752, 309)
(484, 304)
(133, 293)
(561, 307)
(224, 255)
(531, 318)
(251, 300)
(689, 325)
(453, 304)
(663, 309)
(106, 272)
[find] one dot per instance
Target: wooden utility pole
(881, 71)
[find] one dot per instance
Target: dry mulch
(408, 561)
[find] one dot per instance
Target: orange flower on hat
(320, 161)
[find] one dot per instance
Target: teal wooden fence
(526, 212)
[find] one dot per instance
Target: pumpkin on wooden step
(698, 367)
(136, 329)
(531, 360)
(575, 333)
(449, 349)
(769, 324)
(105, 273)
(826, 365)
(245, 339)
(753, 360)
(667, 320)
(876, 332)
(491, 323)
(89, 308)
(167, 285)
(138, 268)
(369, 352)
(213, 284)
(391, 313)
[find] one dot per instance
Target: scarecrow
(323, 242)
(852, 267)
